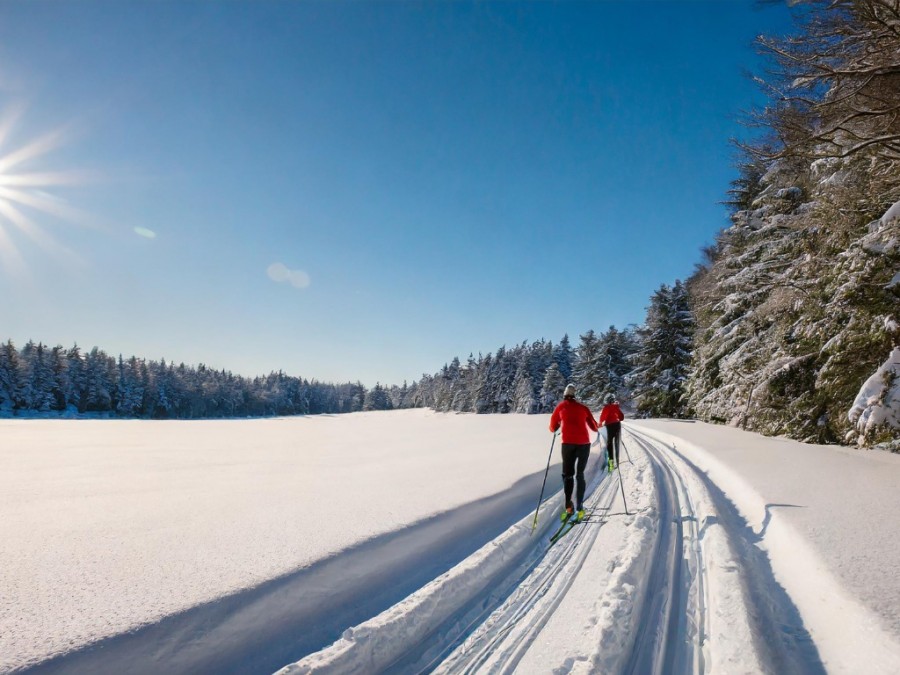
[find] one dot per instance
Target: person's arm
(555, 420)
(603, 416)
(591, 422)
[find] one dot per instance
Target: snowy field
(402, 542)
(113, 525)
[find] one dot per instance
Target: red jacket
(611, 413)
(576, 419)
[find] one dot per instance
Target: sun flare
(26, 196)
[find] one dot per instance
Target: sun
(26, 195)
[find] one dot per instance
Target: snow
(827, 514)
(891, 214)
(878, 401)
(112, 525)
(895, 281)
(737, 553)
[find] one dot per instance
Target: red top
(611, 413)
(575, 419)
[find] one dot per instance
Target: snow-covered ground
(108, 526)
(241, 546)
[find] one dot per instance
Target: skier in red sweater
(575, 419)
(611, 416)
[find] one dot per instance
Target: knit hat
(609, 398)
(570, 390)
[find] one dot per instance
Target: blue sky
(433, 179)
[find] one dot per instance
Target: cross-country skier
(575, 419)
(611, 417)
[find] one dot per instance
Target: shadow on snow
(261, 629)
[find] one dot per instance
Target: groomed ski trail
(646, 574)
(676, 585)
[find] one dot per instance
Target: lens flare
(24, 195)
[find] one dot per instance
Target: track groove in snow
(504, 637)
(660, 629)
(678, 585)
(752, 604)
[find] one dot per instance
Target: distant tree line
(41, 379)
(638, 364)
(645, 366)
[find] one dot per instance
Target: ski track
(504, 637)
(677, 584)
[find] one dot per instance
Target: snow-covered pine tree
(131, 390)
(616, 350)
(77, 378)
(377, 399)
(796, 301)
(9, 378)
(42, 380)
(27, 395)
(59, 367)
(662, 363)
(99, 382)
(587, 374)
(524, 400)
(552, 388)
(564, 356)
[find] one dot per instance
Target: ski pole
(622, 485)
(544, 484)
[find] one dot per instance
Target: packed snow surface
(748, 557)
(710, 550)
(110, 525)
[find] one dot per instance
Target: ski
(565, 522)
(567, 527)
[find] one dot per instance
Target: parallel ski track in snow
(669, 634)
(535, 599)
(655, 616)
(777, 636)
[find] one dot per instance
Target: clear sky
(358, 190)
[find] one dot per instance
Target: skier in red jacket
(611, 416)
(575, 419)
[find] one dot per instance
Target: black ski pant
(613, 433)
(574, 454)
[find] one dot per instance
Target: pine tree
(564, 356)
(41, 380)
(60, 378)
(552, 389)
(663, 361)
(9, 378)
(377, 399)
(587, 372)
(77, 394)
(524, 400)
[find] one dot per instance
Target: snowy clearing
(738, 553)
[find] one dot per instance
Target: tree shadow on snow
(768, 518)
(781, 639)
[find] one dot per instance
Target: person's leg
(583, 452)
(618, 436)
(568, 470)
